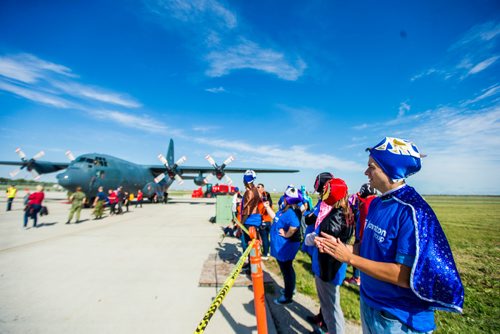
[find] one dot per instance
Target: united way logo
(399, 147)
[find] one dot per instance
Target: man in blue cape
(407, 268)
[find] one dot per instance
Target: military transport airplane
(92, 170)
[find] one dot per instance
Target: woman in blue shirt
(285, 239)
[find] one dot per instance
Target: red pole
(258, 284)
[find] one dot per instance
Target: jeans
(380, 322)
(329, 298)
(288, 273)
(9, 203)
(356, 272)
(264, 235)
(33, 213)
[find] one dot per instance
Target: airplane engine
(199, 180)
(152, 188)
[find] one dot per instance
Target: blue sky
(279, 84)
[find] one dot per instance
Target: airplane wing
(42, 167)
(158, 169)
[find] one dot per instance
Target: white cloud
(29, 69)
(56, 86)
(249, 55)
(216, 90)
(455, 139)
(193, 11)
(483, 65)
(45, 82)
(425, 73)
(30, 94)
(141, 122)
(471, 54)
(361, 126)
(488, 92)
(403, 109)
(96, 93)
(478, 34)
(205, 128)
(217, 28)
(292, 157)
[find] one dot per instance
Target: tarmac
(138, 272)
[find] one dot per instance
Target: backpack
(44, 211)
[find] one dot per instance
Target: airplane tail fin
(170, 153)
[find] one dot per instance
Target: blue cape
(434, 276)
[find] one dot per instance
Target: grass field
(471, 224)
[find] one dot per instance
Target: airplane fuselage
(90, 171)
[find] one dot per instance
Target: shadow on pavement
(236, 326)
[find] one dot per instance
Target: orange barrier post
(258, 284)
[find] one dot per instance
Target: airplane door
(98, 178)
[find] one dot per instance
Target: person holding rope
(407, 267)
(285, 239)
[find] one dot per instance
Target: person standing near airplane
(34, 205)
(140, 197)
(77, 200)
(11, 194)
(120, 196)
(99, 203)
(407, 267)
(112, 199)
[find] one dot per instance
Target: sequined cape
(434, 276)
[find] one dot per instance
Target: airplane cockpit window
(99, 161)
(83, 159)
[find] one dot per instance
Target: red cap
(334, 190)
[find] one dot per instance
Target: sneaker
(282, 301)
(67, 222)
(352, 281)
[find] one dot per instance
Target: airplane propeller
(171, 170)
(29, 164)
(219, 170)
(70, 155)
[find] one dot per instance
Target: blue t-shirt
(102, 196)
(283, 249)
(389, 236)
(254, 220)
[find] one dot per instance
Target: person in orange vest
(265, 227)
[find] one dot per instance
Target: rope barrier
(243, 228)
(223, 292)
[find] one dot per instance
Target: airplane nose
(63, 179)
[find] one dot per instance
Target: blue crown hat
(293, 196)
(249, 176)
(398, 158)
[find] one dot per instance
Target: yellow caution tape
(242, 227)
(223, 292)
